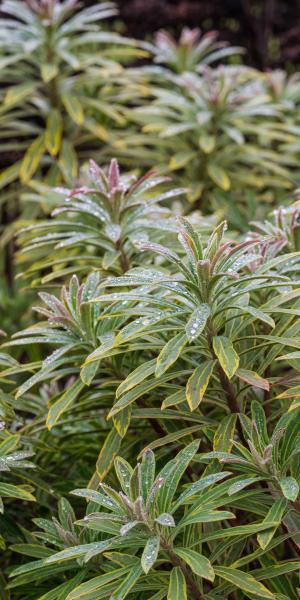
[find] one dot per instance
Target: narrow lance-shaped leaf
(198, 382)
(197, 322)
(175, 472)
(177, 585)
(32, 159)
(150, 553)
(226, 354)
(53, 132)
(106, 457)
(127, 584)
(170, 353)
(225, 434)
(275, 513)
(63, 403)
(199, 564)
(253, 379)
(244, 581)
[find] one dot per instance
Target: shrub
(189, 349)
(228, 140)
(55, 99)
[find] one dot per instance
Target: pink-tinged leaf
(253, 379)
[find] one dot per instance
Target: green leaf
(207, 143)
(198, 486)
(95, 584)
(136, 376)
(174, 474)
(68, 161)
(225, 434)
(48, 71)
(241, 484)
(89, 371)
(290, 488)
(197, 321)
(170, 353)
(244, 581)
(53, 133)
(226, 354)
(258, 314)
(124, 473)
(127, 584)
(165, 519)
(63, 403)
(32, 158)
(10, 174)
(219, 176)
(258, 415)
(7, 490)
(199, 564)
(275, 513)
(198, 382)
(73, 108)
(106, 457)
(181, 159)
(200, 515)
(122, 420)
(74, 552)
(177, 585)
(17, 93)
(253, 379)
(150, 553)
(147, 473)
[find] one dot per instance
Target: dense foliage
(149, 400)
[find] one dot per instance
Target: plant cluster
(150, 364)
(165, 401)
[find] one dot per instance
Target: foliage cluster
(149, 411)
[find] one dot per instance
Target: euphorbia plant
(98, 222)
(155, 537)
(55, 65)
(210, 308)
(190, 349)
(222, 134)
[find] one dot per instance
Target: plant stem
(178, 562)
(231, 400)
(228, 388)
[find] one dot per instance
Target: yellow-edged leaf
(224, 434)
(181, 159)
(207, 143)
(170, 353)
(253, 378)
(122, 420)
(106, 457)
(48, 71)
(219, 176)
(17, 93)
(226, 354)
(73, 108)
(244, 581)
(97, 130)
(10, 174)
(67, 161)
(199, 564)
(53, 133)
(177, 585)
(32, 158)
(198, 382)
(63, 403)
